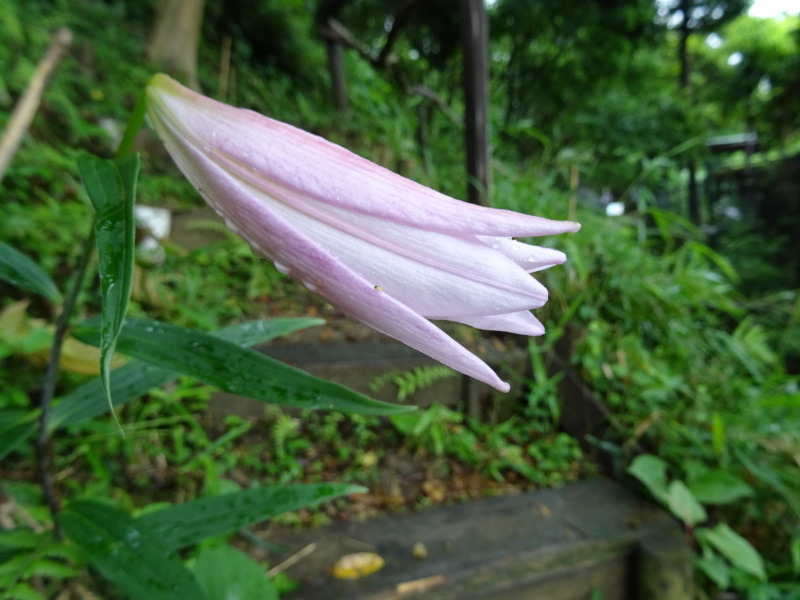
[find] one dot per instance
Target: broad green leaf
(21, 271)
(716, 569)
(112, 189)
(234, 369)
(227, 574)
(684, 505)
(182, 525)
(716, 486)
(140, 565)
(16, 426)
(735, 548)
(136, 378)
(652, 472)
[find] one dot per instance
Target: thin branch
(425, 92)
(44, 440)
(333, 29)
(399, 22)
(28, 104)
(293, 559)
(336, 31)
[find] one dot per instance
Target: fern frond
(409, 382)
(44, 567)
(21, 539)
(22, 591)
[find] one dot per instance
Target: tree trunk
(337, 74)
(683, 83)
(475, 32)
(683, 46)
(175, 38)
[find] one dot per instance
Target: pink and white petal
(313, 166)
(523, 323)
(323, 272)
(422, 269)
(529, 257)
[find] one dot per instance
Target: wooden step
(592, 539)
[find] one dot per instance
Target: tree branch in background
(332, 29)
(399, 22)
(29, 103)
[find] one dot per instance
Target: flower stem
(44, 441)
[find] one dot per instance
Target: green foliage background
(689, 336)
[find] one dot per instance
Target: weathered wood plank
(554, 544)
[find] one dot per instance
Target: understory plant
(692, 372)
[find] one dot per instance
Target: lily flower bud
(382, 248)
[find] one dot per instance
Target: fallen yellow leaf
(359, 564)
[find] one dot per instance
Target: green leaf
(652, 472)
(136, 378)
(716, 569)
(23, 539)
(103, 181)
(182, 525)
(16, 426)
(227, 574)
(112, 189)
(23, 591)
(735, 548)
(716, 486)
(683, 504)
(138, 564)
(234, 369)
(21, 271)
(44, 567)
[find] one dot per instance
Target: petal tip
(502, 386)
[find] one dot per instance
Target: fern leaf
(22, 591)
(14, 566)
(44, 567)
(22, 539)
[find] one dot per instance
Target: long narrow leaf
(234, 369)
(15, 427)
(140, 565)
(137, 377)
(18, 269)
(112, 189)
(182, 525)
